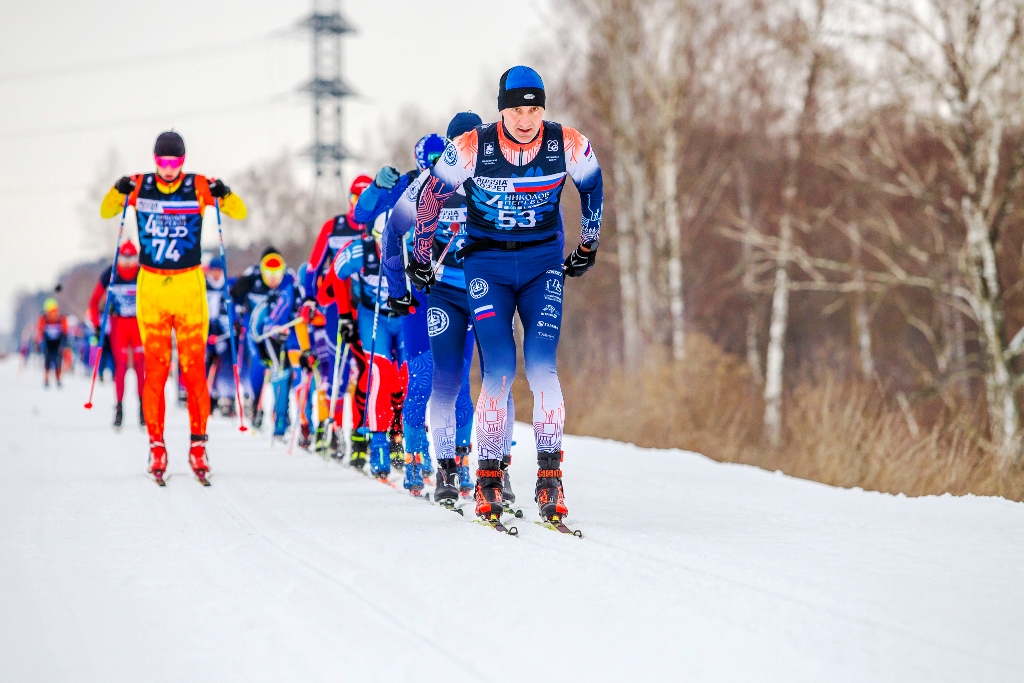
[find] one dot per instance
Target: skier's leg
(137, 353)
(416, 344)
(191, 321)
(447, 320)
(540, 308)
(119, 345)
(492, 277)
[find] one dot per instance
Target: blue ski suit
(513, 260)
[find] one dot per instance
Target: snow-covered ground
(292, 569)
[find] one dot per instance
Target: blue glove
(386, 178)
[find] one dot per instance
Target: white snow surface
(289, 568)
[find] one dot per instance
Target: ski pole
(106, 309)
(277, 329)
(440, 259)
(303, 395)
(231, 324)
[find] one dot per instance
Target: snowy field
(292, 569)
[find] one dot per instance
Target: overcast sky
(79, 79)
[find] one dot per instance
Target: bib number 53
(511, 219)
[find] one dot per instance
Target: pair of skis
(161, 482)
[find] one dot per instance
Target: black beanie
(169, 144)
(520, 86)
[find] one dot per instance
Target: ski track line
(269, 520)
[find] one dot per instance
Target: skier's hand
(347, 328)
(218, 189)
(387, 177)
(403, 305)
(125, 185)
(421, 275)
(580, 260)
(308, 310)
(307, 360)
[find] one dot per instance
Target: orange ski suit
(172, 299)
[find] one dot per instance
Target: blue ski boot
(465, 479)
(380, 455)
(413, 479)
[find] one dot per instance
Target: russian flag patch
(484, 312)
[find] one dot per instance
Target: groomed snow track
(292, 569)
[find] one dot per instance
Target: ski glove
(386, 178)
(307, 360)
(125, 185)
(347, 328)
(403, 305)
(421, 275)
(218, 189)
(308, 310)
(579, 261)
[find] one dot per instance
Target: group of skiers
(424, 268)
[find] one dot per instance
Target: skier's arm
(376, 200)
(581, 164)
(97, 296)
(113, 201)
(240, 290)
(402, 220)
(316, 257)
(456, 165)
(349, 259)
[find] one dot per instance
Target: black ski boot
(257, 417)
(335, 448)
(396, 439)
(142, 415)
(488, 490)
(549, 495)
(508, 499)
(358, 451)
(446, 490)
(118, 415)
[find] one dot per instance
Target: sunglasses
(169, 162)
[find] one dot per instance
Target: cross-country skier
(123, 332)
(171, 296)
(268, 294)
(513, 172)
(51, 335)
(388, 187)
(338, 235)
(219, 375)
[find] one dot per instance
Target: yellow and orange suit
(172, 288)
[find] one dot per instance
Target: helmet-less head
(521, 103)
(169, 155)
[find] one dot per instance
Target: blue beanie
(520, 86)
(463, 122)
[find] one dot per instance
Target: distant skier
(513, 172)
(381, 197)
(51, 335)
(219, 374)
(125, 340)
(171, 294)
(269, 297)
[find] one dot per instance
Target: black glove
(387, 177)
(307, 360)
(580, 261)
(125, 185)
(218, 189)
(347, 328)
(421, 275)
(403, 305)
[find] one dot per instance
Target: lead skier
(513, 172)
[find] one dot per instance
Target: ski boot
(488, 490)
(257, 417)
(508, 498)
(305, 437)
(118, 415)
(320, 439)
(226, 407)
(142, 415)
(446, 490)
(380, 457)
(182, 398)
(397, 449)
(334, 447)
(358, 459)
(197, 457)
(157, 461)
(549, 495)
(465, 480)
(413, 478)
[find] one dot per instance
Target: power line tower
(328, 88)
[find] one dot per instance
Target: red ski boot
(488, 490)
(548, 494)
(157, 461)
(197, 458)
